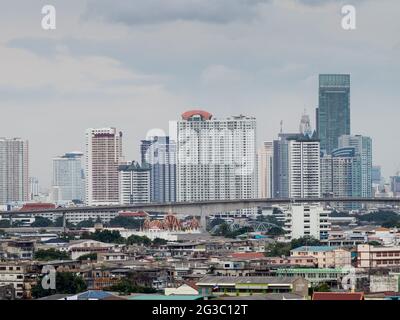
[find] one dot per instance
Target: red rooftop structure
(338, 296)
(37, 206)
(204, 115)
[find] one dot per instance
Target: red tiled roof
(140, 214)
(248, 255)
(338, 296)
(37, 206)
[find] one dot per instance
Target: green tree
(106, 236)
(322, 287)
(89, 256)
(51, 254)
(381, 217)
(374, 243)
(66, 283)
(89, 223)
(127, 286)
(59, 223)
(41, 222)
(159, 242)
(5, 223)
(305, 241)
(134, 239)
(215, 222)
(278, 249)
(17, 224)
(126, 222)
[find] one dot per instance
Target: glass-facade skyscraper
(159, 154)
(68, 177)
(363, 149)
(333, 112)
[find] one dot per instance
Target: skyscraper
(304, 167)
(333, 112)
(265, 166)
(134, 183)
(103, 155)
(216, 159)
(341, 175)
(305, 125)
(363, 148)
(159, 154)
(33, 188)
(376, 175)
(14, 170)
(281, 165)
(68, 177)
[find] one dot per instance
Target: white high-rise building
(265, 169)
(134, 183)
(216, 158)
(306, 220)
(68, 177)
(103, 155)
(33, 188)
(304, 167)
(14, 170)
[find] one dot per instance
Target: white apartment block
(14, 175)
(77, 217)
(103, 155)
(216, 159)
(265, 169)
(134, 183)
(306, 220)
(304, 168)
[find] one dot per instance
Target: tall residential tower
(103, 155)
(14, 175)
(216, 158)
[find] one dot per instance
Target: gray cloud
(325, 2)
(161, 11)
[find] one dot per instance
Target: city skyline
(106, 67)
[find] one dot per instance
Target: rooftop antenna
(281, 126)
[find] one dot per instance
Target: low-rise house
(111, 257)
(82, 247)
(100, 278)
(238, 286)
(19, 276)
(315, 275)
(369, 256)
(327, 257)
(16, 249)
(294, 261)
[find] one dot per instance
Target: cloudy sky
(137, 64)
